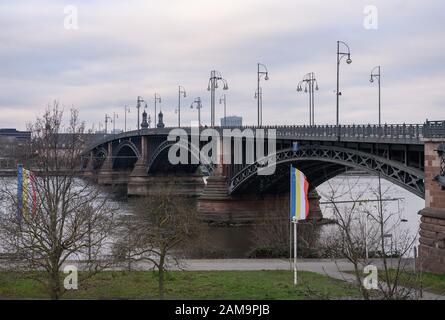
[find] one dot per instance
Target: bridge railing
(434, 129)
(387, 132)
(390, 133)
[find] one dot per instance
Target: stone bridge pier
(216, 205)
(431, 255)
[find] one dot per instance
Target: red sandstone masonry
(432, 227)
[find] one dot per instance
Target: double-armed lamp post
(375, 74)
(222, 100)
(215, 76)
(261, 71)
(138, 106)
(181, 93)
(126, 110)
(107, 118)
(115, 116)
(341, 53)
(311, 85)
(198, 107)
(157, 99)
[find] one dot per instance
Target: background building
(232, 121)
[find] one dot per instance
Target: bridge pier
(432, 227)
(138, 180)
(215, 205)
(88, 172)
(184, 185)
(105, 175)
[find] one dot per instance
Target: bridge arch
(329, 161)
(125, 155)
(193, 153)
(99, 156)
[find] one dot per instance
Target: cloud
(125, 49)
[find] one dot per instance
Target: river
(237, 242)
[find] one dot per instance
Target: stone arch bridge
(405, 154)
(139, 159)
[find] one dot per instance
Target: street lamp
(221, 100)
(377, 76)
(157, 99)
(181, 92)
(127, 110)
(259, 95)
(107, 117)
(341, 55)
(215, 76)
(115, 116)
(310, 83)
(138, 106)
(198, 103)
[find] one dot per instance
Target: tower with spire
(160, 120)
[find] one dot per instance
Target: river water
(237, 242)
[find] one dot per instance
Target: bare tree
(271, 234)
(360, 234)
(71, 219)
(161, 223)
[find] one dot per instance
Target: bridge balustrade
(388, 133)
(434, 129)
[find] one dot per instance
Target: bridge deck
(387, 134)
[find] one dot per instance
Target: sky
(124, 49)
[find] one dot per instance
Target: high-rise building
(232, 121)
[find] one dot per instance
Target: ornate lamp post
(311, 85)
(126, 110)
(341, 55)
(115, 116)
(198, 103)
(221, 100)
(259, 94)
(107, 118)
(376, 75)
(138, 106)
(215, 76)
(157, 99)
(181, 92)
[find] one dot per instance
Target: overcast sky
(123, 49)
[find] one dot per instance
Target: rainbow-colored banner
(26, 193)
(299, 203)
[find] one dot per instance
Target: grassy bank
(186, 285)
(431, 282)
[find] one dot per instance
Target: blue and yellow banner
(299, 203)
(26, 193)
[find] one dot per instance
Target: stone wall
(432, 226)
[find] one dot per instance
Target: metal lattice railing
(388, 133)
(434, 129)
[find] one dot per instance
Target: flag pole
(290, 245)
(290, 224)
(295, 252)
